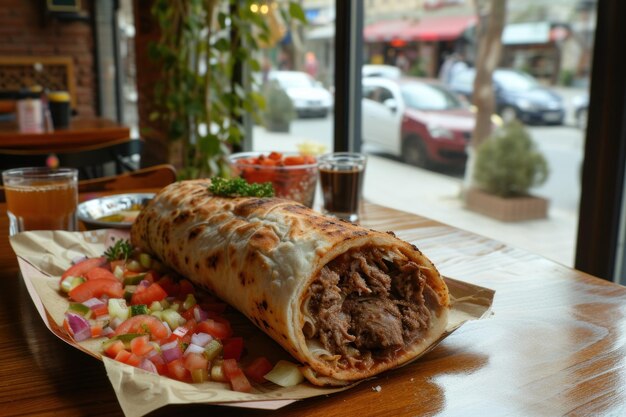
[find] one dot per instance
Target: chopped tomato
(100, 310)
(114, 348)
(96, 330)
(195, 361)
(218, 329)
(120, 262)
(141, 345)
(294, 160)
(185, 287)
(235, 376)
(122, 356)
(233, 348)
(276, 156)
(258, 369)
(229, 366)
(177, 370)
(143, 324)
(239, 382)
(81, 268)
(169, 286)
(100, 273)
(147, 296)
(97, 288)
(133, 360)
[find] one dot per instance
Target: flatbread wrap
(345, 301)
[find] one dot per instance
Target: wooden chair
(91, 161)
(151, 177)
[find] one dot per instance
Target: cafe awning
(386, 30)
(440, 28)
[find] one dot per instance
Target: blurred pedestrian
(452, 65)
(310, 64)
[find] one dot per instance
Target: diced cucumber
(172, 318)
(126, 338)
(129, 290)
(134, 266)
(158, 314)
(145, 260)
(156, 306)
(118, 272)
(213, 349)
(189, 302)
(118, 308)
(217, 373)
(70, 283)
(134, 279)
(81, 309)
(199, 375)
(139, 309)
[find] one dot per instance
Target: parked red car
(419, 120)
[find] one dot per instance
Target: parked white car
(309, 97)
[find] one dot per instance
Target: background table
(554, 346)
(79, 133)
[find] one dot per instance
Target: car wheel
(581, 119)
(414, 152)
(508, 114)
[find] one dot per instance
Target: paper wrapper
(44, 255)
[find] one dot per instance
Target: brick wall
(24, 32)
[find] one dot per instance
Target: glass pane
(301, 63)
(423, 53)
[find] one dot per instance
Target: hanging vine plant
(202, 96)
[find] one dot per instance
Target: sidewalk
(437, 196)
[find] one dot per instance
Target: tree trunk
(489, 50)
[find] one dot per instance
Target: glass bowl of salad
(293, 175)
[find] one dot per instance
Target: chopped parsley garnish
(238, 187)
(122, 249)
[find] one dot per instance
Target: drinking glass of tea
(41, 198)
(341, 176)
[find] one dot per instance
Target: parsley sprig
(122, 249)
(238, 187)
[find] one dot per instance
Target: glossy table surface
(555, 345)
(84, 132)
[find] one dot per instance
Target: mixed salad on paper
(153, 319)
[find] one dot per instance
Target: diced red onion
(115, 322)
(169, 330)
(170, 345)
(201, 339)
(107, 331)
(171, 354)
(199, 314)
(79, 326)
(143, 283)
(93, 302)
(181, 331)
(147, 365)
(193, 349)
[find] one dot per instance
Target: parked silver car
(309, 97)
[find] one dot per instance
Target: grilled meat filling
(367, 306)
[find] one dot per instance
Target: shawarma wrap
(345, 301)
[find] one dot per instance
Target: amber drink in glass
(41, 198)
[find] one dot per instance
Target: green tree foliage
(508, 163)
(203, 48)
(279, 109)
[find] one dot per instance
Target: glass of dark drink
(341, 175)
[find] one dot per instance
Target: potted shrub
(507, 166)
(279, 110)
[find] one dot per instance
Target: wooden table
(555, 345)
(79, 133)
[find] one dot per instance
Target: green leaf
(295, 10)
